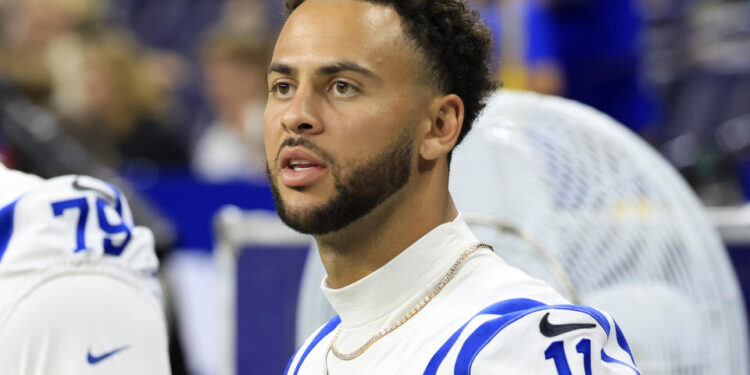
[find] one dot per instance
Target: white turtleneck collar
(384, 291)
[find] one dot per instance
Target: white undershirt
(384, 296)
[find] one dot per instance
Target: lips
(300, 167)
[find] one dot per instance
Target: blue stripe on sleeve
(480, 337)
(330, 326)
(623, 342)
(487, 331)
(510, 311)
(288, 365)
(6, 226)
(502, 307)
(609, 359)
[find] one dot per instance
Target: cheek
(363, 136)
(372, 125)
(271, 130)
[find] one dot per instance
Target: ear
(447, 114)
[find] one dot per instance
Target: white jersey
(78, 292)
(489, 319)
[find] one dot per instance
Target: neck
(371, 241)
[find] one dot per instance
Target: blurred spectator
(707, 111)
(587, 50)
(248, 17)
(600, 50)
(31, 27)
(124, 113)
(231, 147)
(524, 44)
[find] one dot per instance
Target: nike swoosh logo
(108, 197)
(551, 330)
(93, 359)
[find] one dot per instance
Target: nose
(301, 116)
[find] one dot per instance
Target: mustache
(308, 144)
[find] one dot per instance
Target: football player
(367, 99)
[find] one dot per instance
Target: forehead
(321, 31)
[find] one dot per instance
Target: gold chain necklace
(422, 303)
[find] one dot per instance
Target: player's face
(344, 100)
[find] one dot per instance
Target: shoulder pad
(72, 219)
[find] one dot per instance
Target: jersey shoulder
(72, 220)
(489, 279)
(528, 336)
(14, 183)
(295, 362)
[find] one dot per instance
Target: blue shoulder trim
(511, 311)
(289, 364)
(609, 359)
(487, 331)
(330, 326)
(499, 308)
(623, 342)
(6, 226)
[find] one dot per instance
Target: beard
(368, 184)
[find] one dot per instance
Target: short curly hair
(454, 41)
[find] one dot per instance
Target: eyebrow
(346, 66)
(280, 68)
(326, 69)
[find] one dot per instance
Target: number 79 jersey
(68, 224)
(78, 287)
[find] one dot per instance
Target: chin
(298, 210)
(301, 197)
(302, 221)
(306, 196)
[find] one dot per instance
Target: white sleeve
(557, 340)
(85, 324)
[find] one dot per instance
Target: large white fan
(568, 195)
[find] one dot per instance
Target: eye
(343, 89)
(283, 90)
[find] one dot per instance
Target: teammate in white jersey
(78, 288)
(367, 99)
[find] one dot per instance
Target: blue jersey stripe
(330, 326)
(487, 331)
(502, 307)
(623, 342)
(510, 311)
(6, 226)
(609, 359)
(480, 338)
(289, 365)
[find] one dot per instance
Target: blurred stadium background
(165, 99)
